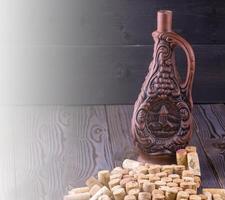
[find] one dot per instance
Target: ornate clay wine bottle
(162, 119)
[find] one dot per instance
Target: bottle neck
(164, 21)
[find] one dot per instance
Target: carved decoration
(162, 119)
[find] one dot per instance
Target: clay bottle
(162, 119)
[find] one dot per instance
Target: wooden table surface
(53, 148)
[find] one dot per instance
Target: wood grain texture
(7, 156)
(106, 22)
(45, 150)
(119, 122)
(97, 75)
(211, 134)
(208, 174)
(57, 148)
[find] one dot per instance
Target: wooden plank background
(46, 150)
(98, 51)
(106, 22)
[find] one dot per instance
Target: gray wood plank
(211, 135)
(106, 22)
(119, 118)
(58, 147)
(96, 75)
(7, 156)
(208, 173)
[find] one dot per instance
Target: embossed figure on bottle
(162, 119)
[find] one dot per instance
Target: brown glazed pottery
(162, 119)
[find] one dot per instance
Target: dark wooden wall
(98, 51)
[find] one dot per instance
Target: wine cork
(124, 181)
(193, 163)
(191, 191)
(164, 188)
(143, 176)
(171, 194)
(116, 176)
(182, 195)
(80, 190)
(181, 157)
(103, 177)
(194, 197)
(104, 197)
(141, 183)
(131, 164)
(187, 173)
(166, 179)
(94, 189)
(174, 176)
(119, 194)
(177, 188)
(150, 175)
(131, 173)
(154, 179)
(115, 188)
(113, 183)
(127, 176)
(188, 185)
(116, 170)
(188, 179)
(144, 196)
(148, 164)
(172, 184)
(178, 169)
(215, 191)
(194, 185)
(177, 180)
(92, 181)
(168, 169)
(156, 191)
(103, 191)
(148, 187)
(129, 197)
(134, 192)
(131, 185)
(158, 197)
(208, 195)
(190, 149)
(142, 170)
(153, 169)
(161, 174)
(159, 183)
(136, 176)
(203, 197)
(70, 193)
(124, 172)
(78, 196)
(197, 180)
(217, 197)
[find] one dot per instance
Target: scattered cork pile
(144, 181)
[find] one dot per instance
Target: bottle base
(157, 159)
